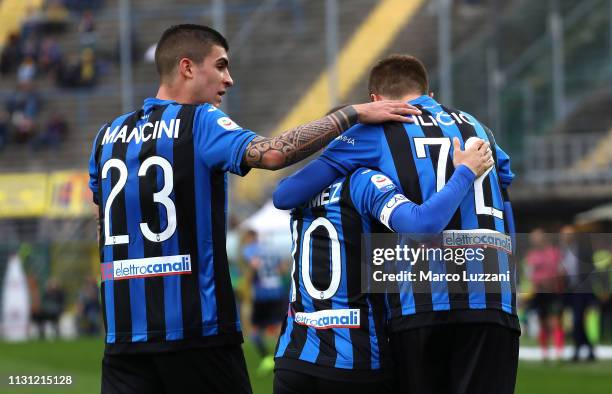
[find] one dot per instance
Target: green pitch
(81, 359)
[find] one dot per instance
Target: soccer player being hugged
(447, 336)
(159, 177)
(335, 337)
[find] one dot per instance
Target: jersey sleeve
(359, 146)
(298, 188)
(506, 175)
(220, 142)
(375, 195)
(93, 167)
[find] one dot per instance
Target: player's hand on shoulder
(477, 155)
(385, 111)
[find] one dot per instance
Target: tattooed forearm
(294, 145)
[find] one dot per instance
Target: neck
(410, 96)
(173, 93)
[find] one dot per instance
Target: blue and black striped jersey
(331, 322)
(418, 158)
(159, 178)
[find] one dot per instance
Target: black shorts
(474, 358)
(292, 382)
(219, 369)
(267, 313)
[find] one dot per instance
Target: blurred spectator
(26, 70)
(56, 17)
(53, 135)
(87, 29)
(544, 270)
(577, 261)
(35, 310)
(68, 74)
(52, 306)
(602, 260)
(269, 295)
(29, 47)
(88, 67)
(31, 24)
(4, 128)
(11, 55)
(23, 107)
(88, 309)
(79, 71)
(50, 56)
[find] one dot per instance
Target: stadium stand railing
(545, 148)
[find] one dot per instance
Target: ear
(185, 68)
(375, 97)
(431, 94)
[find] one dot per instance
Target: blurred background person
(87, 29)
(266, 271)
(11, 55)
(88, 309)
(50, 56)
(26, 71)
(544, 270)
(577, 262)
(23, 107)
(602, 260)
(36, 315)
(52, 306)
(53, 135)
(4, 129)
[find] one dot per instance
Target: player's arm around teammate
(316, 353)
(293, 145)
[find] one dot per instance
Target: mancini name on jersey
(146, 267)
(143, 132)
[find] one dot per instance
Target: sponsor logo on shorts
(330, 318)
(146, 267)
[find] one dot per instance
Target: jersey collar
(154, 102)
(425, 101)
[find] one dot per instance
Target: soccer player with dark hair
(158, 175)
(335, 337)
(446, 336)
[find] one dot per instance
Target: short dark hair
(398, 75)
(187, 40)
